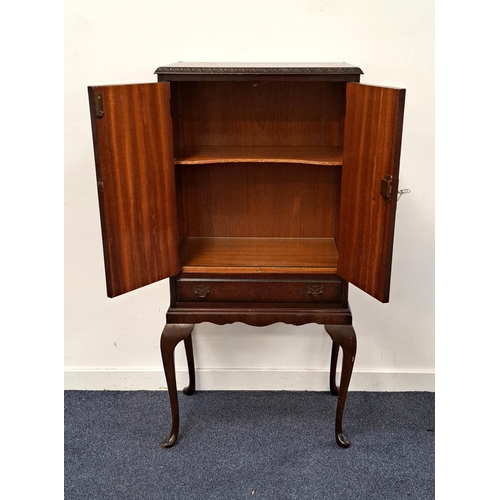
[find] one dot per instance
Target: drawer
(259, 290)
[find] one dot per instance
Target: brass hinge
(386, 187)
(98, 105)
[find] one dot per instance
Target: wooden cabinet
(260, 190)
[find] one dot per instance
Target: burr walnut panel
(259, 289)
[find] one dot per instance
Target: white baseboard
(246, 380)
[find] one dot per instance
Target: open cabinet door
(372, 145)
(133, 147)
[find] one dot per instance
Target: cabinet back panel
(258, 114)
(259, 200)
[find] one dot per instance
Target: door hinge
(98, 105)
(386, 187)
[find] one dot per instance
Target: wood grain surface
(257, 114)
(372, 145)
(306, 155)
(136, 185)
(259, 200)
(260, 255)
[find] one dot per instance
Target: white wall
(114, 343)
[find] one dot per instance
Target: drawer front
(259, 290)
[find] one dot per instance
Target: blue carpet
(248, 445)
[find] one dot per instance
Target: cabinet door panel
(372, 144)
(136, 183)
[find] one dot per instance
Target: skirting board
(246, 380)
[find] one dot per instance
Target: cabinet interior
(258, 167)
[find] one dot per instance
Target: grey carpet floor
(248, 445)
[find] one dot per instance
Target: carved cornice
(330, 70)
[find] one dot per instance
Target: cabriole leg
(188, 345)
(170, 337)
(342, 336)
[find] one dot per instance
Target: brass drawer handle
(314, 290)
(201, 290)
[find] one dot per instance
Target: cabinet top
(249, 68)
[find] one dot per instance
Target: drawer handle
(314, 290)
(201, 290)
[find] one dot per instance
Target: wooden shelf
(260, 255)
(259, 154)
